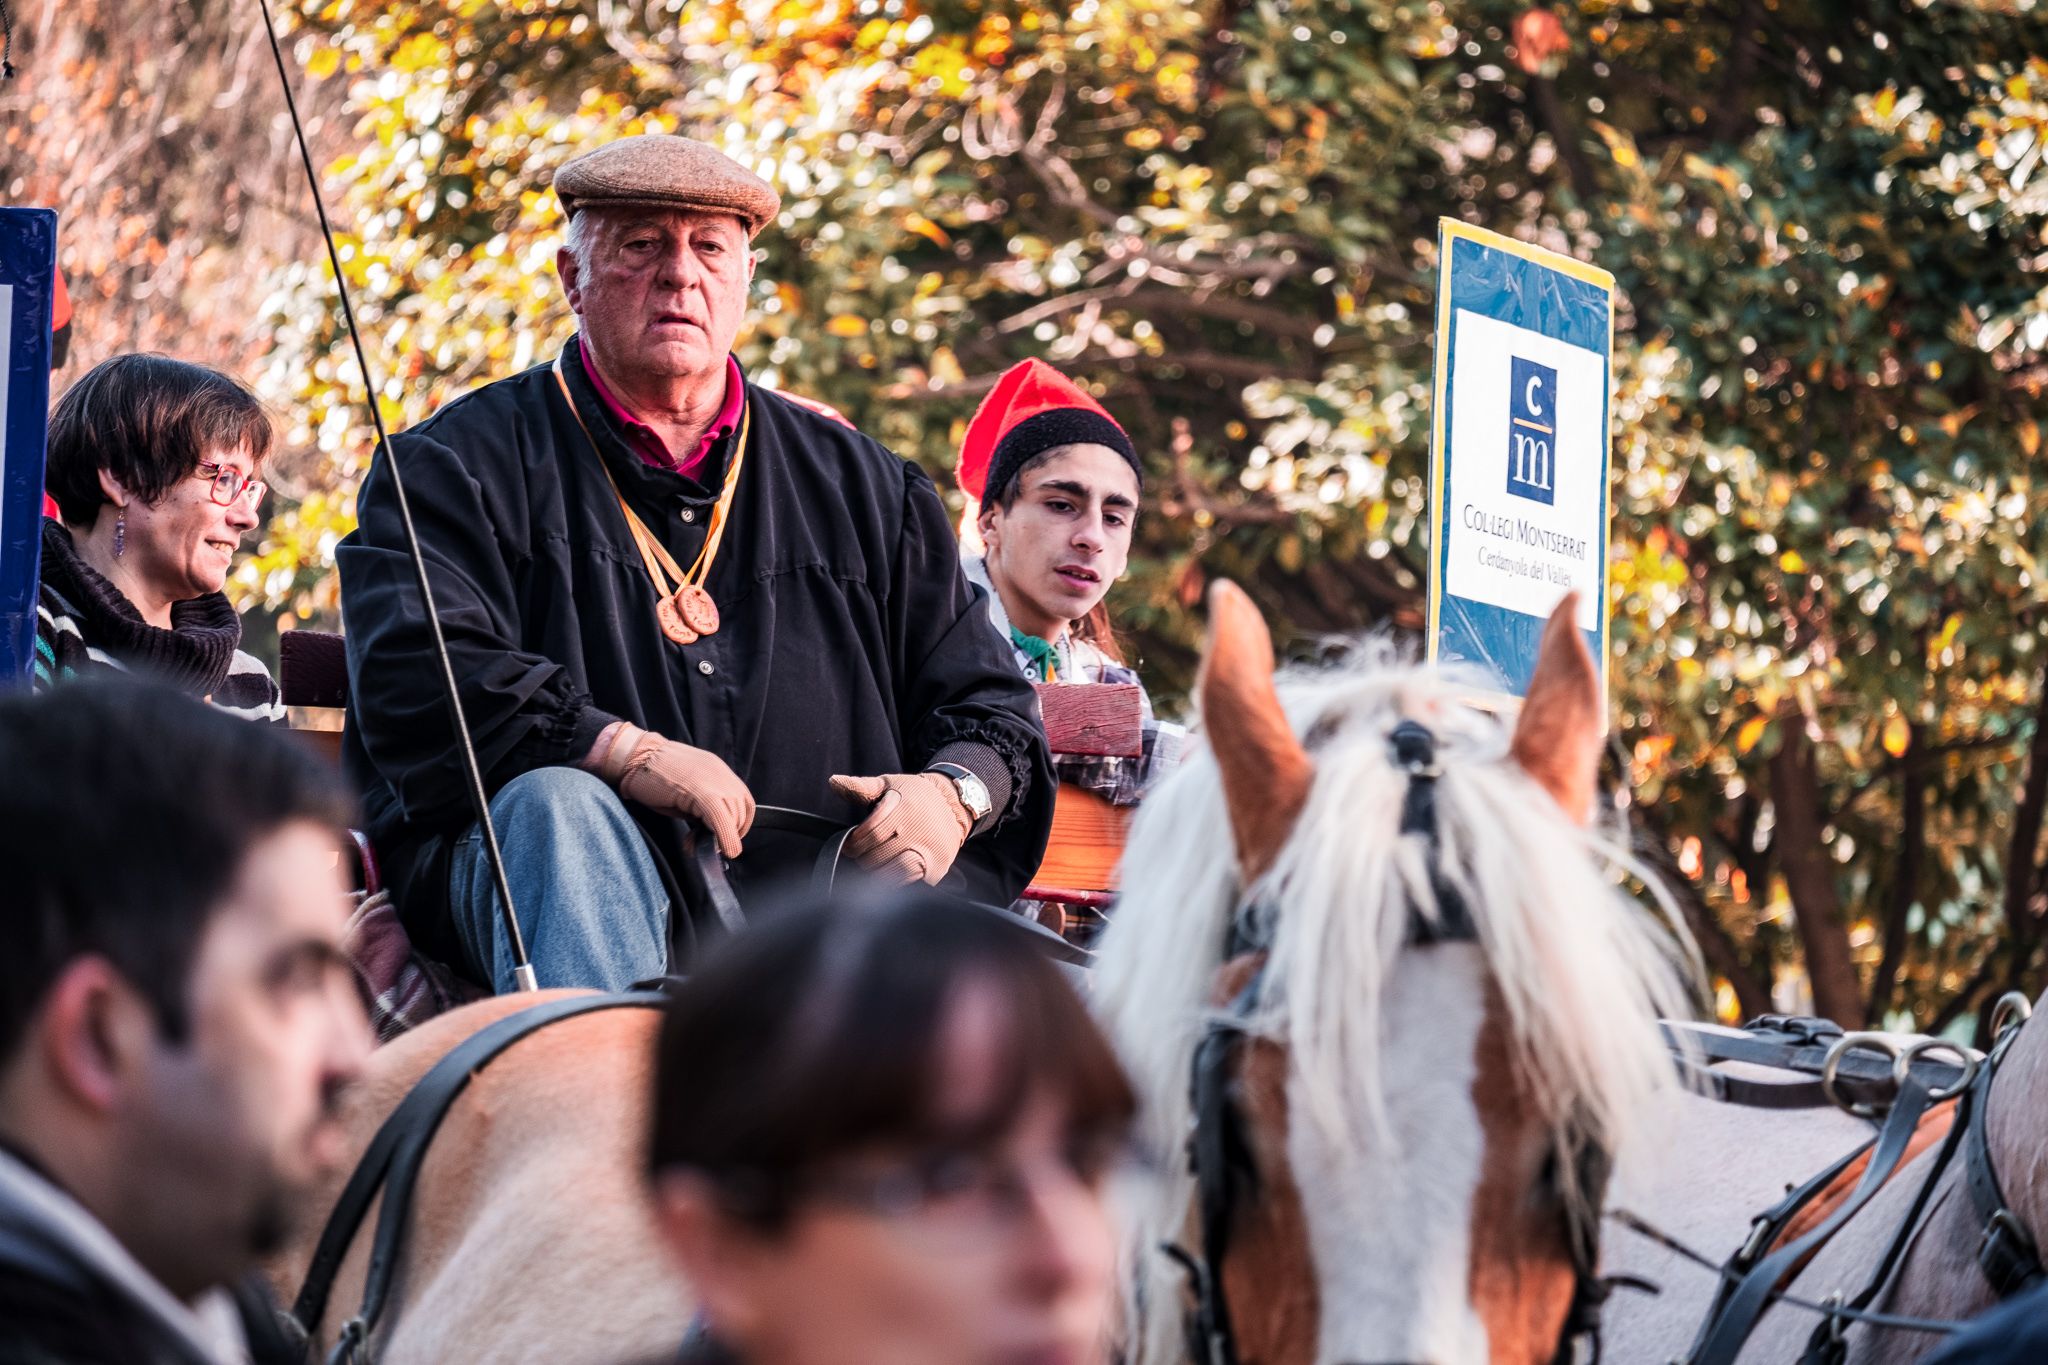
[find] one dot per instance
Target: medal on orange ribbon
(697, 608)
(682, 604)
(669, 616)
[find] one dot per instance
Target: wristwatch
(972, 790)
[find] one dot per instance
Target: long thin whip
(522, 969)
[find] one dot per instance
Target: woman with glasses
(153, 464)
(883, 1135)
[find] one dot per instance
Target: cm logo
(1532, 431)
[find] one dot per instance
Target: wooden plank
(1097, 720)
(1087, 839)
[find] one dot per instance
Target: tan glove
(916, 828)
(666, 776)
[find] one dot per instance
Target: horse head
(1371, 955)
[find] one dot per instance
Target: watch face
(974, 795)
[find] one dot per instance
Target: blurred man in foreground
(176, 1021)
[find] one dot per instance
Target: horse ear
(1266, 772)
(1562, 725)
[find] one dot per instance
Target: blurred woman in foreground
(883, 1136)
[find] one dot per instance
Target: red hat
(1032, 408)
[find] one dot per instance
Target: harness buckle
(349, 1342)
(1754, 1245)
(1831, 1068)
(1902, 1066)
(2011, 1011)
(2006, 1253)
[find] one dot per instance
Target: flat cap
(663, 171)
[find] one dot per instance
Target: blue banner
(1519, 482)
(28, 268)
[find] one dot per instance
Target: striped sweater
(84, 625)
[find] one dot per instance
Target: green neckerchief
(1044, 656)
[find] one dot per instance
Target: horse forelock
(1582, 970)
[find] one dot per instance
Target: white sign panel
(1529, 489)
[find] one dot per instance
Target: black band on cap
(1041, 432)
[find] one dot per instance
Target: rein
(1752, 1279)
(1219, 1157)
(391, 1168)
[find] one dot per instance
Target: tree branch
(2022, 869)
(1810, 877)
(1724, 956)
(1905, 878)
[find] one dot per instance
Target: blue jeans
(592, 907)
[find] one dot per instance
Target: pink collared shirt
(647, 442)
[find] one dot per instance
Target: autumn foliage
(1829, 222)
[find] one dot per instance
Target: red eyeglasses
(230, 483)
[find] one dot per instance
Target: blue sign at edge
(28, 262)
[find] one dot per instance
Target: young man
(1058, 483)
(177, 1022)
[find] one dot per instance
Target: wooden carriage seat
(1103, 720)
(1098, 720)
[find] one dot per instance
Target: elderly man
(668, 594)
(177, 1022)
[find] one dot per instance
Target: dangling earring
(120, 533)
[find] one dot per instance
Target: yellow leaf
(2030, 438)
(1792, 562)
(946, 367)
(1897, 734)
(2017, 87)
(1882, 105)
(926, 228)
(847, 325)
(324, 63)
(1948, 631)
(1752, 731)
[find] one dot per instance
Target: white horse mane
(1583, 970)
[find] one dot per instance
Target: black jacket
(849, 643)
(60, 1306)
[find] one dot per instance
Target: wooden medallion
(699, 611)
(672, 623)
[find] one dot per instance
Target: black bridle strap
(1414, 752)
(1219, 1161)
(1859, 1074)
(710, 863)
(1825, 1346)
(392, 1163)
(2006, 1253)
(1726, 1335)
(1894, 1321)
(826, 868)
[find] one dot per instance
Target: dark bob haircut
(126, 813)
(148, 420)
(818, 1033)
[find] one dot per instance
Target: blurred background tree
(1829, 223)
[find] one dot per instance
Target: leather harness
(1841, 1069)
(1902, 1089)
(391, 1167)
